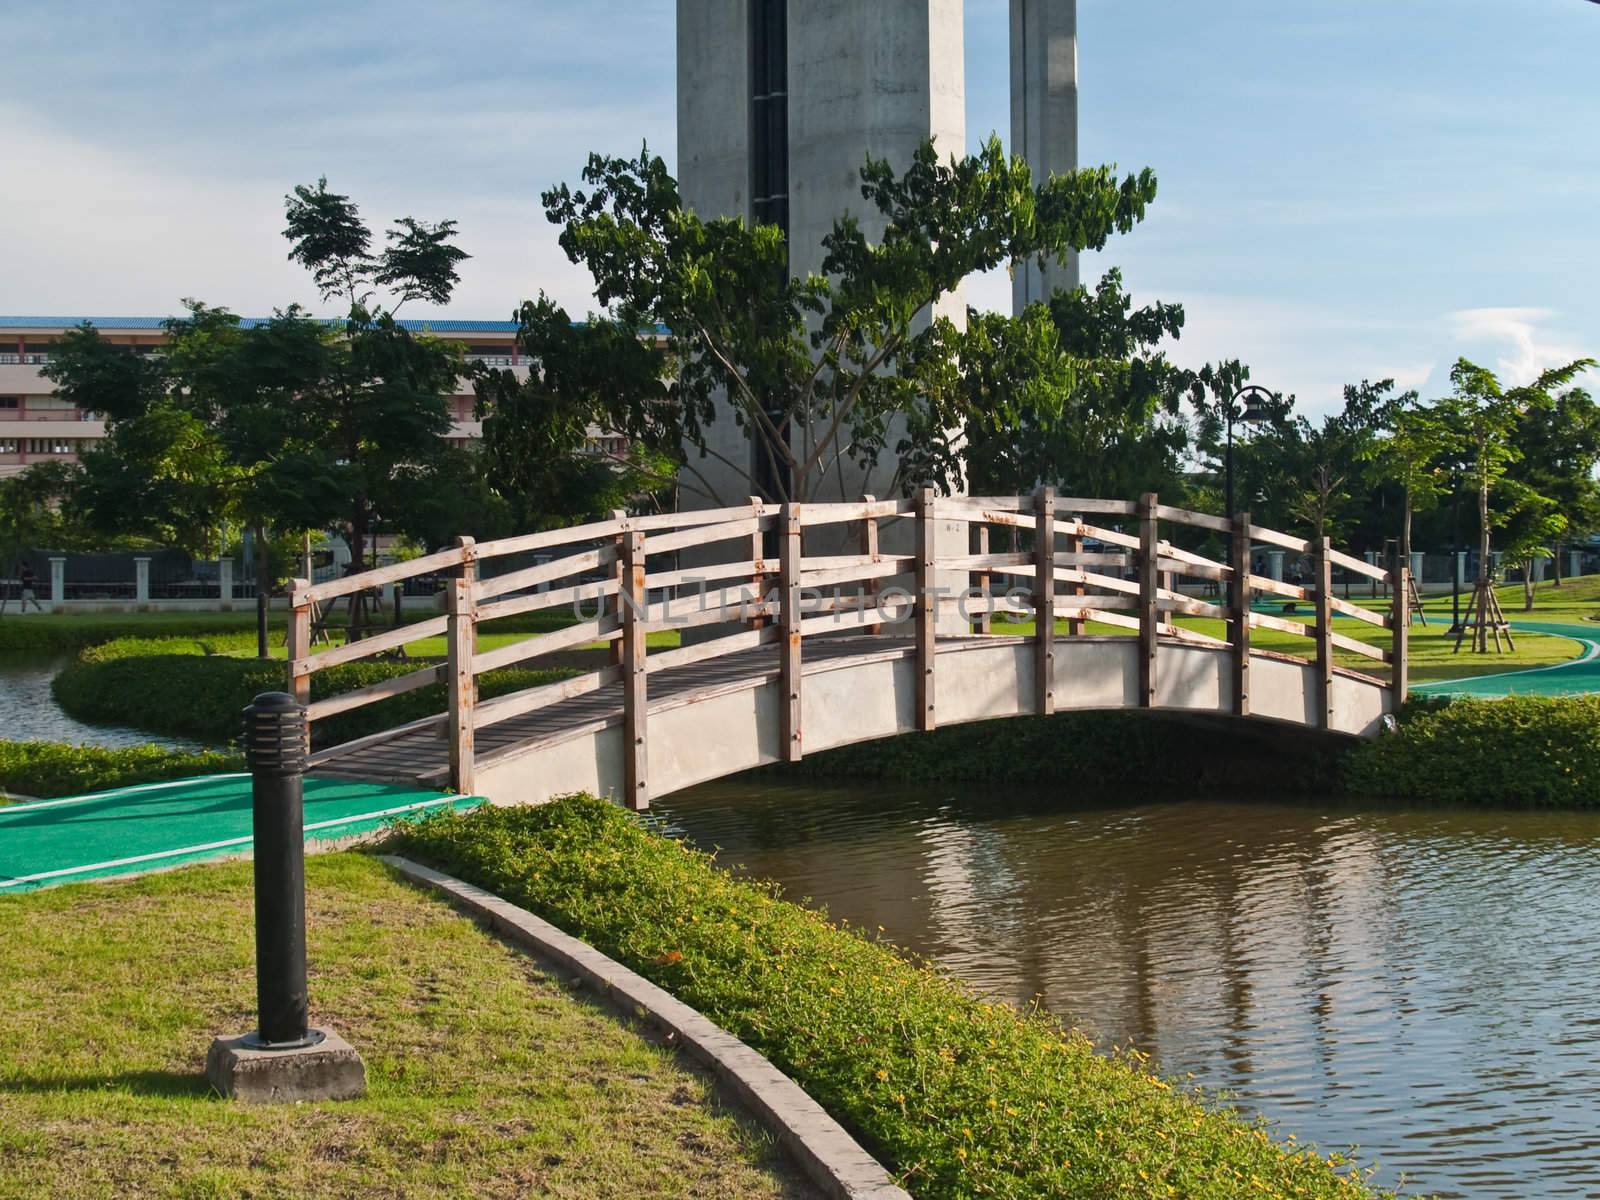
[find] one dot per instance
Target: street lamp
(1255, 411)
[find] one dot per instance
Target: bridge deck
(422, 755)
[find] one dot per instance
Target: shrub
(1533, 752)
(54, 769)
(1091, 750)
(58, 634)
(960, 1096)
(196, 687)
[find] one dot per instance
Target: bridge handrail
(851, 583)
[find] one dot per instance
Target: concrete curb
(833, 1159)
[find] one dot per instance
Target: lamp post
(1255, 411)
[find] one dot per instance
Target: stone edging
(833, 1160)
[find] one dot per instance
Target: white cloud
(1522, 340)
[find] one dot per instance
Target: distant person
(29, 580)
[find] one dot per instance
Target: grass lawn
(486, 1076)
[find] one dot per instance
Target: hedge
(46, 769)
(53, 633)
(958, 1095)
(196, 687)
(1526, 752)
(1092, 751)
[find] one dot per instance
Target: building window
(52, 446)
(10, 403)
(769, 112)
(8, 446)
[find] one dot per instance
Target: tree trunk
(1527, 585)
(263, 587)
(1480, 635)
(358, 559)
(1555, 566)
(1405, 531)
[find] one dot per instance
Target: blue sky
(1349, 190)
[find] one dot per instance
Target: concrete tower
(1044, 118)
(781, 101)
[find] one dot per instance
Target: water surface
(1420, 985)
(29, 712)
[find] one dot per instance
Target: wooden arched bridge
(808, 626)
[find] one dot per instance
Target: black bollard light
(283, 1059)
(275, 750)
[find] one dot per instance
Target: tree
(1560, 446)
(1484, 418)
(1090, 403)
(822, 371)
(291, 424)
(31, 509)
(1411, 456)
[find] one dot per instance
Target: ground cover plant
(1523, 751)
(45, 769)
(53, 633)
(961, 1097)
(486, 1076)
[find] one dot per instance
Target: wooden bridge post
(1322, 566)
(1239, 614)
(1074, 545)
(869, 547)
(1149, 611)
(982, 583)
(927, 609)
(297, 641)
(790, 565)
(1044, 600)
(461, 684)
(758, 555)
(634, 600)
(1400, 620)
(614, 646)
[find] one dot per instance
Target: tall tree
(1560, 445)
(1086, 399)
(823, 371)
(1412, 456)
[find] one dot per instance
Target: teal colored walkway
(159, 825)
(1580, 676)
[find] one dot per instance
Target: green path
(157, 825)
(1579, 677)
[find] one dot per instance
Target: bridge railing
(925, 569)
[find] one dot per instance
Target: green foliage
(50, 633)
(197, 687)
(1076, 393)
(46, 769)
(31, 511)
(1073, 748)
(815, 369)
(1528, 752)
(961, 1097)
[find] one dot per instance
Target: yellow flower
(881, 1073)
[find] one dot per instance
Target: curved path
(154, 826)
(1577, 677)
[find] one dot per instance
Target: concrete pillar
(1044, 119)
(1539, 567)
(225, 583)
(1416, 567)
(141, 579)
(1461, 568)
(1574, 563)
(1371, 557)
(58, 581)
(1275, 565)
(1494, 564)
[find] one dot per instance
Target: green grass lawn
(486, 1075)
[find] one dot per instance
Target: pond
(28, 710)
(1417, 984)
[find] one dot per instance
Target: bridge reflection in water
(810, 650)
